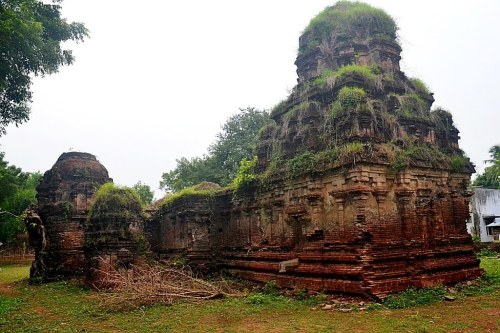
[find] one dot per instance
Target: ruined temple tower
(64, 197)
(361, 187)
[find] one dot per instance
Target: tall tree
(31, 33)
(144, 192)
(235, 142)
(490, 178)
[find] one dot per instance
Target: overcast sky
(157, 79)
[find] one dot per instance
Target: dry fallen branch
(156, 284)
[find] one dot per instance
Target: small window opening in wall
(220, 229)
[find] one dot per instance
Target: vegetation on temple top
(328, 76)
(344, 18)
(201, 189)
(420, 85)
(116, 203)
(349, 98)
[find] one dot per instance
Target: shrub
(348, 98)
(116, 203)
(301, 164)
(246, 174)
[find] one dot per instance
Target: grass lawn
(67, 307)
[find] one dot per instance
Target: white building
(484, 219)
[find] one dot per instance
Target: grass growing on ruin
(202, 189)
(345, 17)
(68, 307)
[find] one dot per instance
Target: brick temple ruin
(360, 187)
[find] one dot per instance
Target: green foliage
(348, 98)
(486, 252)
(419, 85)
(31, 32)
(490, 178)
(369, 73)
(459, 162)
(70, 308)
(278, 108)
(189, 172)
(345, 18)
(202, 189)
(116, 204)
(411, 154)
(17, 193)
(412, 105)
(235, 142)
(246, 174)
(144, 192)
(415, 297)
(7, 305)
(270, 288)
(301, 164)
(352, 148)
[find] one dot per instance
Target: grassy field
(67, 307)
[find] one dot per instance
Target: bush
(246, 174)
(348, 98)
(301, 164)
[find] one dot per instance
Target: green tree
(17, 193)
(490, 178)
(31, 33)
(189, 172)
(144, 192)
(234, 143)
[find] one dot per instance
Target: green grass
(345, 18)
(68, 307)
(196, 190)
(368, 73)
(420, 85)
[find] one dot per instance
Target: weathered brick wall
(366, 230)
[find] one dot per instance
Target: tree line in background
(490, 178)
(17, 193)
(234, 143)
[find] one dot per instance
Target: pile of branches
(157, 284)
